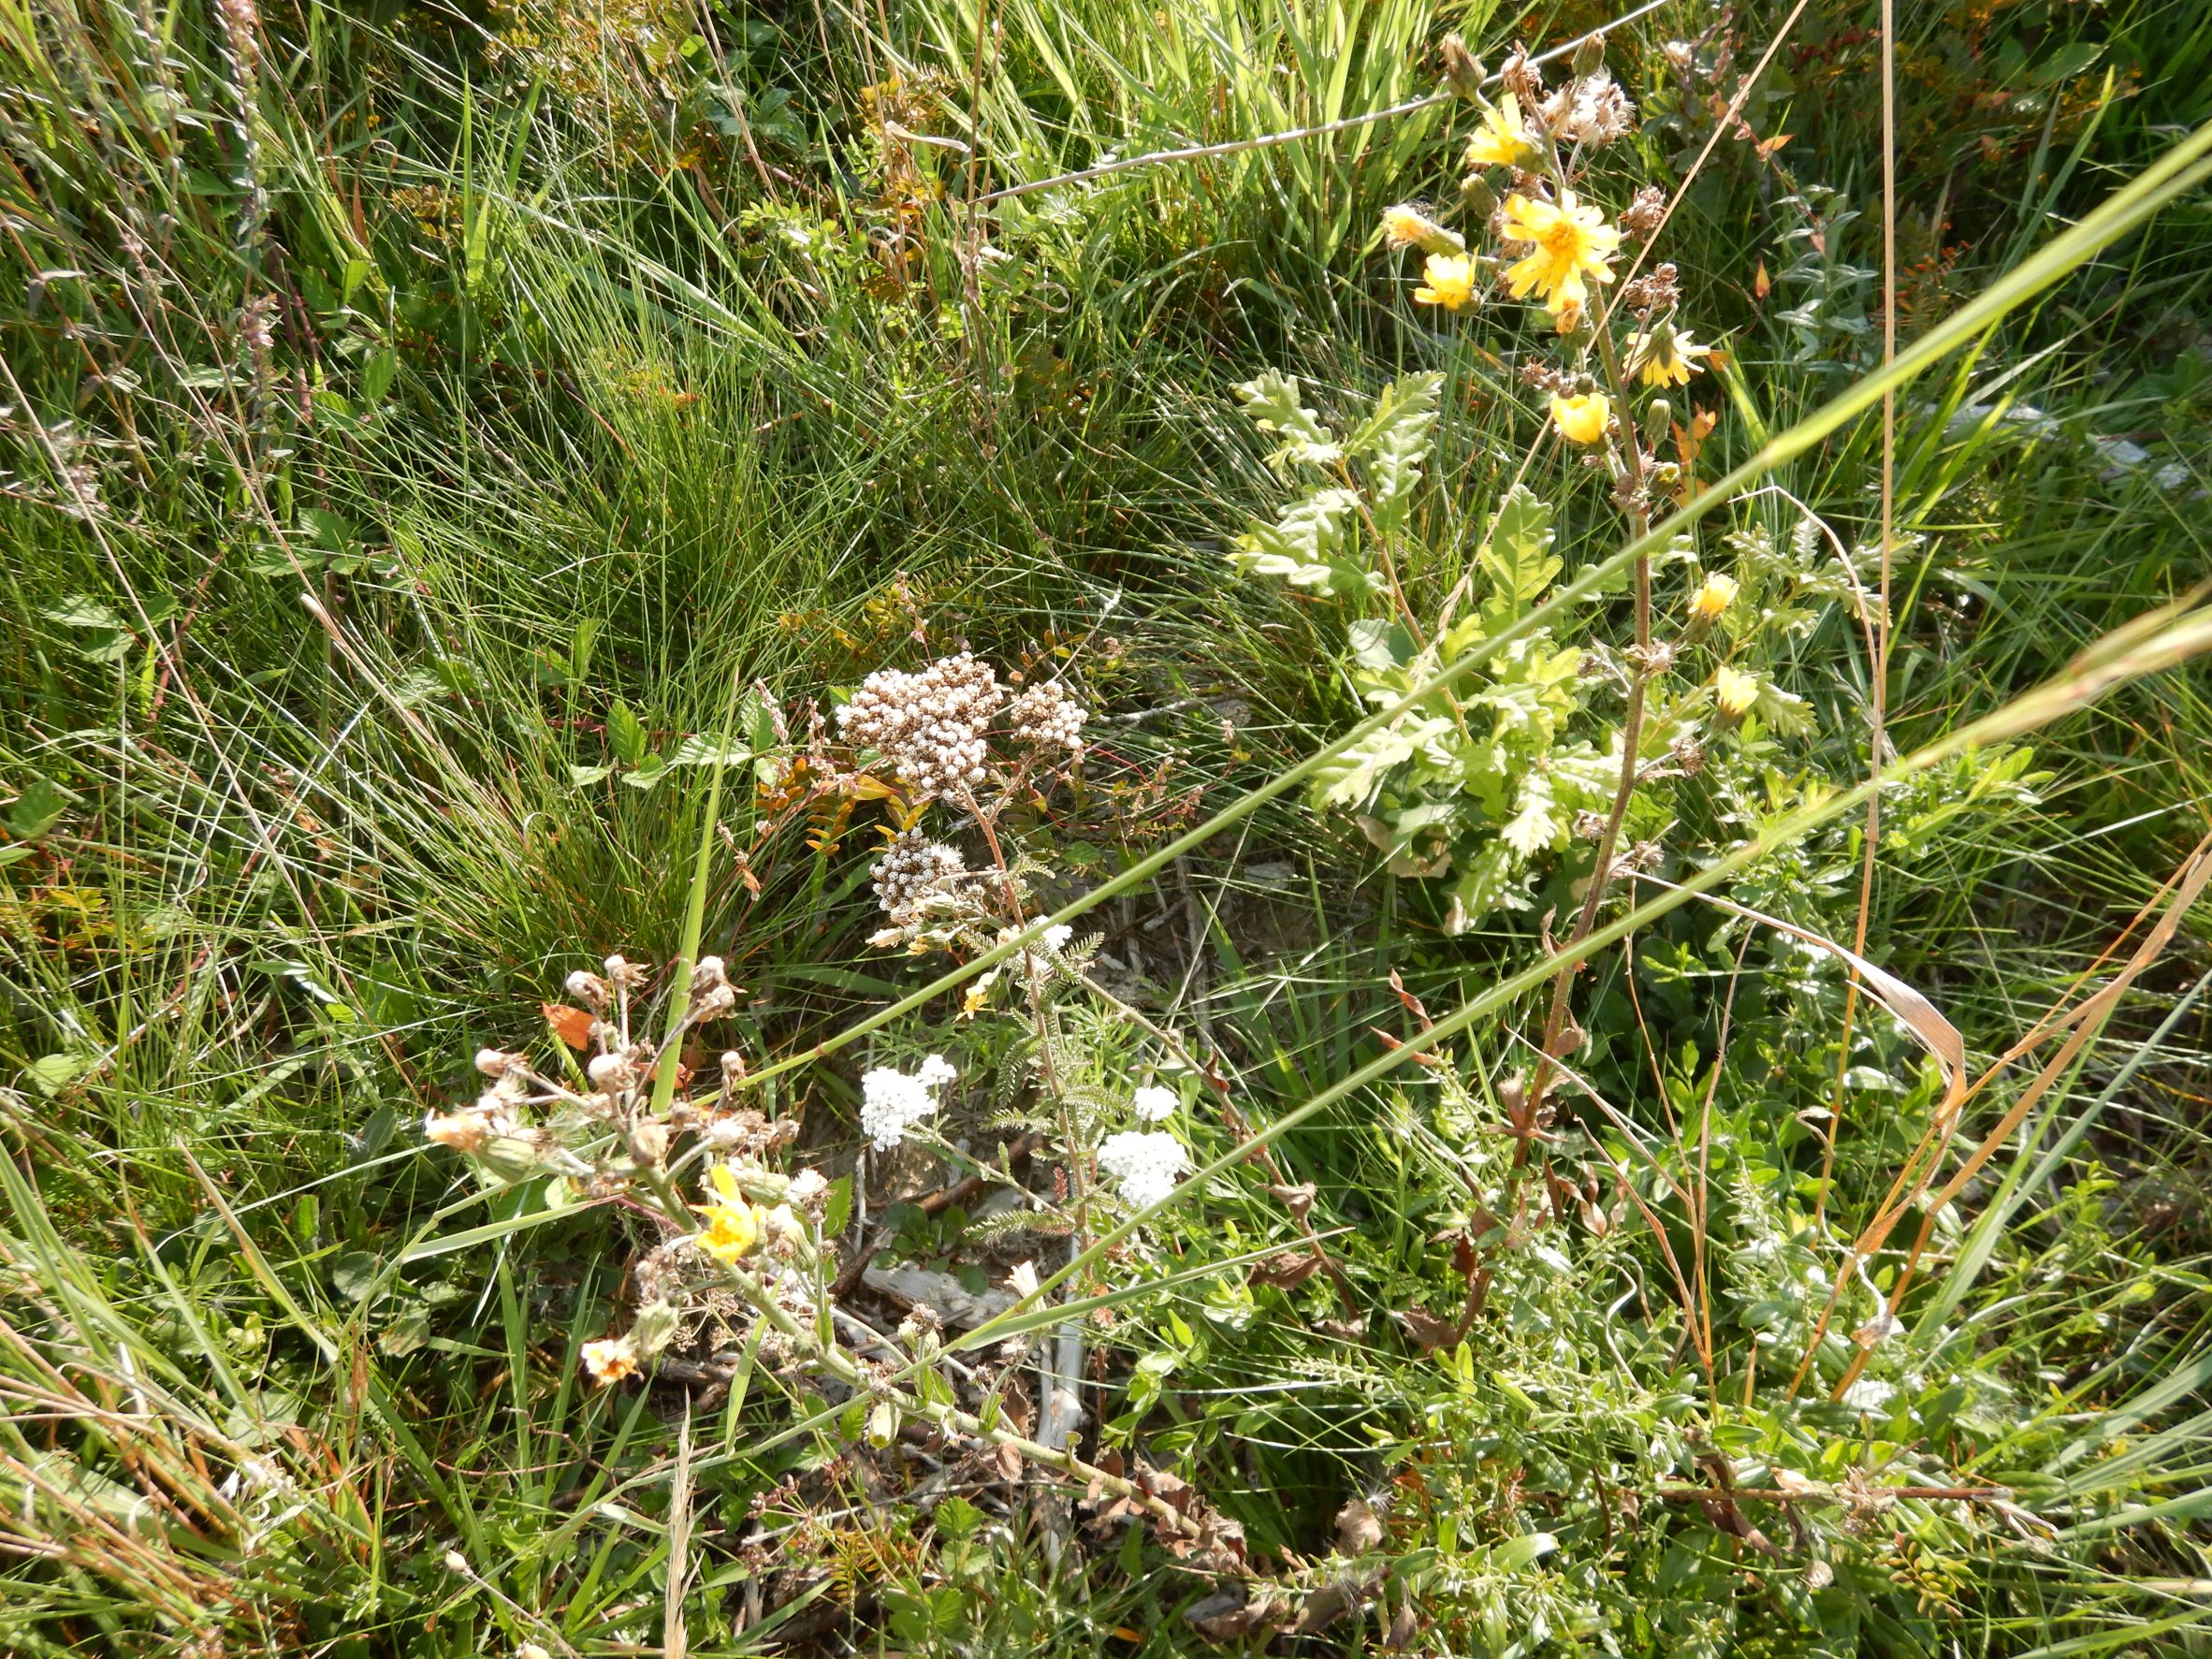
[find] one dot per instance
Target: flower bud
(1589, 55)
(1463, 70)
(654, 1329)
(1658, 421)
(648, 1144)
(1477, 198)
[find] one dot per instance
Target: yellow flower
(1407, 226)
(1499, 141)
(1666, 356)
(1734, 691)
(732, 1226)
(1571, 242)
(1581, 419)
(1450, 282)
(1712, 598)
(610, 1359)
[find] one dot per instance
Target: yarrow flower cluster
(928, 725)
(913, 870)
(1146, 1163)
(892, 1102)
(1154, 1104)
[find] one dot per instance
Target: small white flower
(1023, 1278)
(1154, 1104)
(892, 1104)
(1147, 1164)
(1055, 938)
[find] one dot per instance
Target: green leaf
(837, 1207)
(1393, 441)
(625, 734)
(39, 808)
(700, 750)
(584, 777)
(355, 1274)
(1270, 399)
(1306, 546)
(1380, 643)
(1534, 826)
(1517, 557)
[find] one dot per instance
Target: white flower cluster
(928, 725)
(1046, 718)
(1154, 1104)
(1146, 1163)
(891, 1102)
(911, 871)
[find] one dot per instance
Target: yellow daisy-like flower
(1450, 282)
(1582, 419)
(1667, 355)
(1571, 245)
(732, 1226)
(1714, 595)
(1500, 141)
(1734, 691)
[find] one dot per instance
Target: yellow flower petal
(1581, 419)
(1450, 282)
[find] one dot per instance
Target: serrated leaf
(1306, 546)
(1534, 826)
(1270, 399)
(625, 734)
(1393, 441)
(584, 777)
(1516, 556)
(1488, 882)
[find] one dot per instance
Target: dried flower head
(463, 1131)
(1593, 111)
(1046, 719)
(914, 871)
(1642, 217)
(1658, 290)
(929, 726)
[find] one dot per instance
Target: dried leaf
(573, 1026)
(1285, 1270)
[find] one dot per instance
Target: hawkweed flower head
(1407, 226)
(1145, 1164)
(1713, 597)
(1593, 111)
(1734, 691)
(732, 1225)
(1570, 244)
(1664, 355)
(1582, 418)
(892, 1102)
(1448, 280)
(1154, 1104)
(1502, 140)
(610, 1359)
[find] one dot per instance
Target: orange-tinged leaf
(573, 1026)
(1762, 285)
